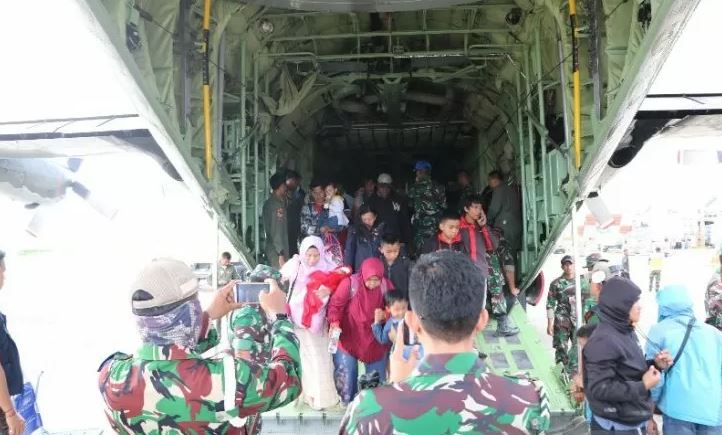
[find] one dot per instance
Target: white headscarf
(297, 270)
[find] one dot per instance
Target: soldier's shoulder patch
(117, 356)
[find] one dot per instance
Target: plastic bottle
(333, 342)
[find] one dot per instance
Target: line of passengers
(370, 249)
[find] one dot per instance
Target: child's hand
(392, 335)
(379, 315)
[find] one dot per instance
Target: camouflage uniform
(170, 389)
(713, 301)
(250, 332)
(449, 394)
(500, 258)
(428, 199)
(227, 274)
(589, 317)
(466, 192)
(560, 307)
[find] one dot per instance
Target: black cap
(291, 174)
(567, 259)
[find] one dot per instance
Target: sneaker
(504, 328)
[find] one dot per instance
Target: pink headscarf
(297, 271)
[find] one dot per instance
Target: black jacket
(613, 360)
(433, 244)
(10, 359)
(399, 273)
(394, 212)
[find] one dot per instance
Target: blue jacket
(691, 391)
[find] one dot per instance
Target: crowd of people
(677, 369)
(402, 289)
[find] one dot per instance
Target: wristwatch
(278, 316)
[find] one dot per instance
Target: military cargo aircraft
(555, 94)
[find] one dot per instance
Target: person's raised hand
(224, 302)
(663, 360)
(379, 315)
(274, 301)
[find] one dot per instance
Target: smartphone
(247, 292)
(409, 337)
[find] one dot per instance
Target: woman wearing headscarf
(317, 375)
(351, 310)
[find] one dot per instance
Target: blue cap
(422, 165)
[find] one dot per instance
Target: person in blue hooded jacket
(690, 394)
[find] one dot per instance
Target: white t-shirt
(335, 209)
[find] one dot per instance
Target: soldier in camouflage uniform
(428, 200)
(467, 189)
(592, 285)
(590, 294)
(175, 384)
(713, 297)
(451, 392)
(226, 271)
(561, 303)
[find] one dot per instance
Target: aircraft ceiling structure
(488, 82)
(358, 5)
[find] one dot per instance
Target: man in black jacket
(296, 199)
(392, 210)
(617, 378)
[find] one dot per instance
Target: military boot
(504, 328)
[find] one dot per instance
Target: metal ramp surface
(523, 353)
(526, 353)
(293, 419)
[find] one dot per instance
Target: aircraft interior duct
(353, 106)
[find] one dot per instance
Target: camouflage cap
(602, 271)
(161, 286)
(592, 259)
